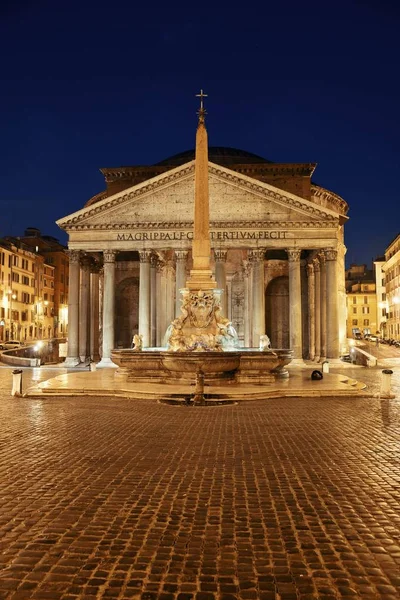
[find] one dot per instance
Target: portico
(277, 256)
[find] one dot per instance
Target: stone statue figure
(137, 342)
(265, 343)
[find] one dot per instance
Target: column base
(71, 361)
(106, 363)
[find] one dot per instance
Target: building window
(365, 310)
(366, 321)
(354, 300)
(355, 322)
(365, 299)
(354, 310)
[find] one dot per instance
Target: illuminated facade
(392, 283)
(278, 255)
(27, 282)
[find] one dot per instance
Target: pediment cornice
(180, 173)
(184, 225)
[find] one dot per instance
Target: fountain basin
(212, 364)
(247, 365)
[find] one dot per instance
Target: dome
(217, 154)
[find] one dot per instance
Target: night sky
(86, 85)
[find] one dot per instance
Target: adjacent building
(392, 282)
(54, 288)
(361, 301)
(33, 281)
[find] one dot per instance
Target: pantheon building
(277, 243)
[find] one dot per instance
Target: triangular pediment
(169, 198)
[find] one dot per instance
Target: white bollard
(17, 383)
(385, 384)
(92, 366)
(325, 366)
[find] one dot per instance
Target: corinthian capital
(181, 255)
(220, 255)
(293, 254)
(330, 254)
(74, 256)
(317, 265)
(256, 254)
(109, 256)
(145, 256)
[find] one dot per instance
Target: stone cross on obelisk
(201, 277)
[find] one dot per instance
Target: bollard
(17, 383)
(325, 366)
(385, 384)
(92, 366)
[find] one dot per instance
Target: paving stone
(290, 498)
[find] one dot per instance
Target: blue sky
(88, 85)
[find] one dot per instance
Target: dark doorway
(277, 312)
(126, 311)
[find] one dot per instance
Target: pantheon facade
(278, 253)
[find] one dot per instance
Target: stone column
(180, 278)
(229, 296)
(153, 300)
(332, 313)
(257, 259)
(248, 322)
(317, 303)
(101, 312)
(144, 296)
(160, 302)
(311, 310)
(108, 308)
(170, 304)
(220, 276)
(323, 305)
(73, 309)
(295, 323)
(84, 307)
(94, 313)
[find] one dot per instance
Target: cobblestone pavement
(283, 499)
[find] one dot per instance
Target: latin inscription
(142, 236)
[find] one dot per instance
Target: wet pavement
(281, 499)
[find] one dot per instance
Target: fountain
(201, 341)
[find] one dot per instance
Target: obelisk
(201, 276)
